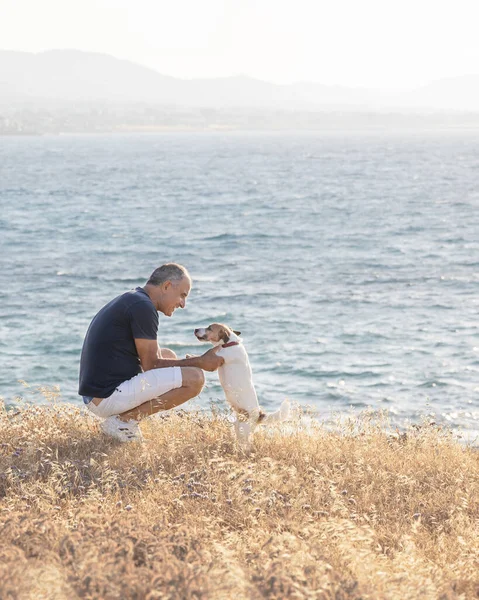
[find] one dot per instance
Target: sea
(348, 260)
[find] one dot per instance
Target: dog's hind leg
(243, 432)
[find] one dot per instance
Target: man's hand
(209, 361)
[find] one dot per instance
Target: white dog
(237, 382)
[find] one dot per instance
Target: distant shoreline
(143, 118)
(221, 130)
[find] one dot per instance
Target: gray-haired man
(124, 375)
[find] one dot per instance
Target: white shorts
(137, 390)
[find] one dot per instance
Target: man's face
(174, 294)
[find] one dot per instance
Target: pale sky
(369, 43)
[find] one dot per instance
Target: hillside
(354, 512)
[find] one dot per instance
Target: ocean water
(350, 262)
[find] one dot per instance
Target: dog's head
(215, 333)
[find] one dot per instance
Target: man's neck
(151, 292)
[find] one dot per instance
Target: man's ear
(236, 332)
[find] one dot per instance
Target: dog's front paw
(190, 355)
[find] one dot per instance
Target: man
(124, 375)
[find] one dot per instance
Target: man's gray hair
(168, 272)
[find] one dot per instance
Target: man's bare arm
(150, 358)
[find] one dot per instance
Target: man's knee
(193, 378)
(167, 353)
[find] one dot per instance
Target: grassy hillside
(351, 513)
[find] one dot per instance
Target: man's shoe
(122, 430)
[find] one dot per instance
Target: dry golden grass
(349, 513)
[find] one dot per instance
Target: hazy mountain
(79, 76)
(461, 93)
(65, 76)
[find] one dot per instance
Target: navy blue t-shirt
(109, 354)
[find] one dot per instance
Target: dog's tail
(283, 414)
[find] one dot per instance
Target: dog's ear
(236, 332)
(224, 335)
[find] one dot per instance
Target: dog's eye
(208, 329)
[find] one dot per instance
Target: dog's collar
(230, 344)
